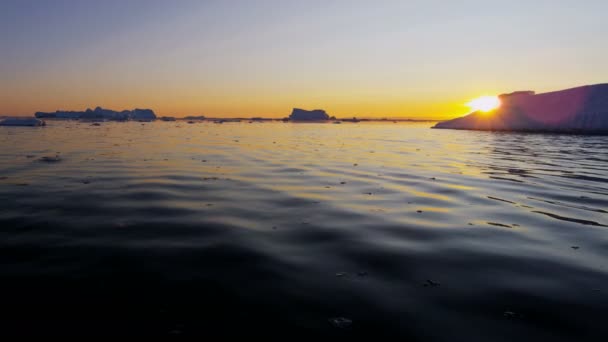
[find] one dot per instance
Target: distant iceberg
(195, 117)
(308, 115)
(31, 122)
(101, 113)
(577, 110)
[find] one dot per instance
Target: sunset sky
(415, 59)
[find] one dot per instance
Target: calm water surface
(302, 230)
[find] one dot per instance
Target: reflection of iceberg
(582, 109)
(32, 122)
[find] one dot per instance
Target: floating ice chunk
(341, 322)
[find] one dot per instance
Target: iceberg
(199, 117)
(576, 110)
(101, 114)
(30, 122)
(142, 115)
(308, 115)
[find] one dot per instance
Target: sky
(231, 58)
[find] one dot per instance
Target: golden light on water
(484, 103)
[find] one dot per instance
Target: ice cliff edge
(580, 110)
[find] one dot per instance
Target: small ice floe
(499, 224)
(29, 122)
(509, 314)
(50, 159)
(341, 322)
(512, 315)
(178, 330)
(431, 283)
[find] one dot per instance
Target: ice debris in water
(341, 322)
(511, 315)
(431, 283)
(50, 159)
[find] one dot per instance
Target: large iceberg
(32, 122)
(60, 114)
(578, 110)
(142, 114)
(308, 115)
(103, 114)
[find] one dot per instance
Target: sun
(484, 103)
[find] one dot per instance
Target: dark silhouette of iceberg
(195, 117)
(32, 122)
(577, 110)
(308, 115)
(101, 113)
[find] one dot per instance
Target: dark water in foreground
(293, 231)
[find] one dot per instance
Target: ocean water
(284, 230)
